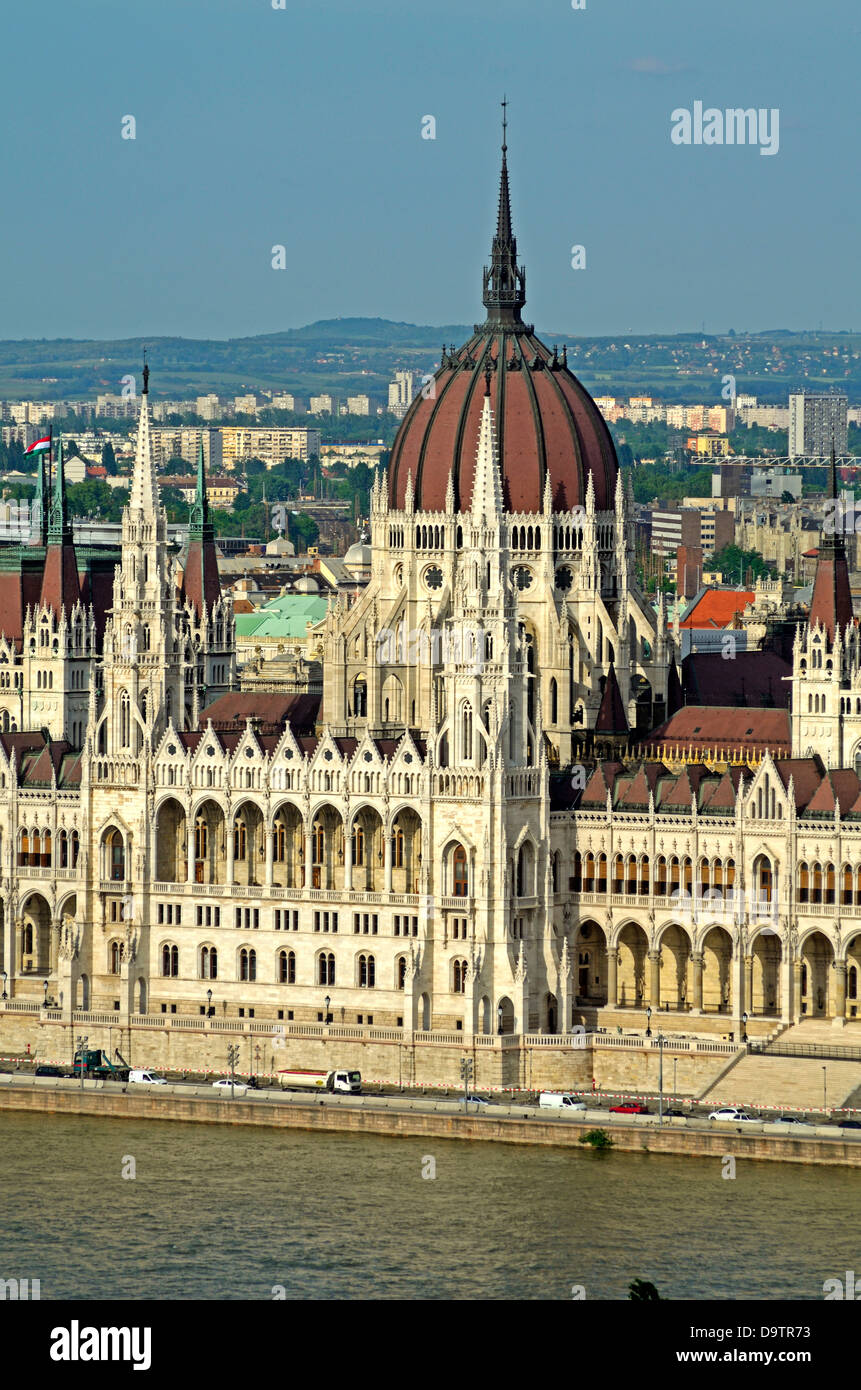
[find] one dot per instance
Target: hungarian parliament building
(469, 832)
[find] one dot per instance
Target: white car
(729, 1112)
(225, 1084)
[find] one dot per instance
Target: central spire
(504, 281)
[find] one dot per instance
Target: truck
(345, 1081)
(98, 1066)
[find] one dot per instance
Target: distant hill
(346, 355)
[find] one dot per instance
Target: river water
(230, 1213)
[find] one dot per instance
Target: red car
(631, 1107)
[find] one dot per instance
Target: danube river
(230, 1213)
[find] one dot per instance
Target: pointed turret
(831, 604)
(487, 487)
(201, 584)
(61, 587)
(39, 529)
(144, 497)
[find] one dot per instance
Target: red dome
(546, 422)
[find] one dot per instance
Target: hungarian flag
(39, 446)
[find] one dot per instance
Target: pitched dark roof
(751, 678)
(300, 711)
(611, 712)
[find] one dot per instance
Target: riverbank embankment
(399, 1117)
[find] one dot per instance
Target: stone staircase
(787, 1083)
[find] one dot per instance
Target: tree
(736, 565)
(177, 465)
(641, 1291)
(109, 461)
(302, 530)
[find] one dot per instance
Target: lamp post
(45, 997)
(326, 1002)
(466, 1068)
(660, 1078)
(499, 1018)
(82, 1049)
(209, 1009)
(232, 1059)
(744, 1028)
(824, 1088)
(649, 1021)
(5, 978)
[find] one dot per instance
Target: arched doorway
(505, 1015)
(210, 846)
(171, 842)
(765, 974)
(717, 971)
(35, 953)
(591, 978)
(551, 1013)
(675, 950)
(631, 980)
(817, 955)
(287, 846)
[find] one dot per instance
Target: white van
(146, 1078)
(560, 1100)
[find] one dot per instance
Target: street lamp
(326, 1002)
(5, 978)
(209, 1009)
(744, 1028)
(649, 1021)
(660, 1078)
(499, 1018)
(824, 1088)
(45, 999)
(232, 1059)
(82, 1049)
(466, 1070)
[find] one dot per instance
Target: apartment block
(271, 446)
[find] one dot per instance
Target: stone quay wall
(624, 1065)
(635, 1137)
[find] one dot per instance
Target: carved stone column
(655, 980)
(612, 977)
(697, 1001)
(839, 967)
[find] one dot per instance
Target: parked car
(788, 1120)
(45, 1070)
(632, 1107)
(729, 1112)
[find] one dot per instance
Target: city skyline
(189, 210)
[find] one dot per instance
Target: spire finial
(145, 374)
(504, 288)
(504, 105)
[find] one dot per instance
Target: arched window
(287, 967)
(459, 977)
(125, 720)
(459, 873)
(317, 843)
(326, 968)
(554, 700)
(116, 856)
(170, 961)
(401, 971)
(239, 839)
(358, 845)
(201, 838)
(116, 957)
(247, 964)
(208, 963)
(466, 740)
(397, 848)
(367, 972)
(360, 697)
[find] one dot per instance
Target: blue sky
(302, 127)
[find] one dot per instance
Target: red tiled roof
(718, 607)
(703, 727)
